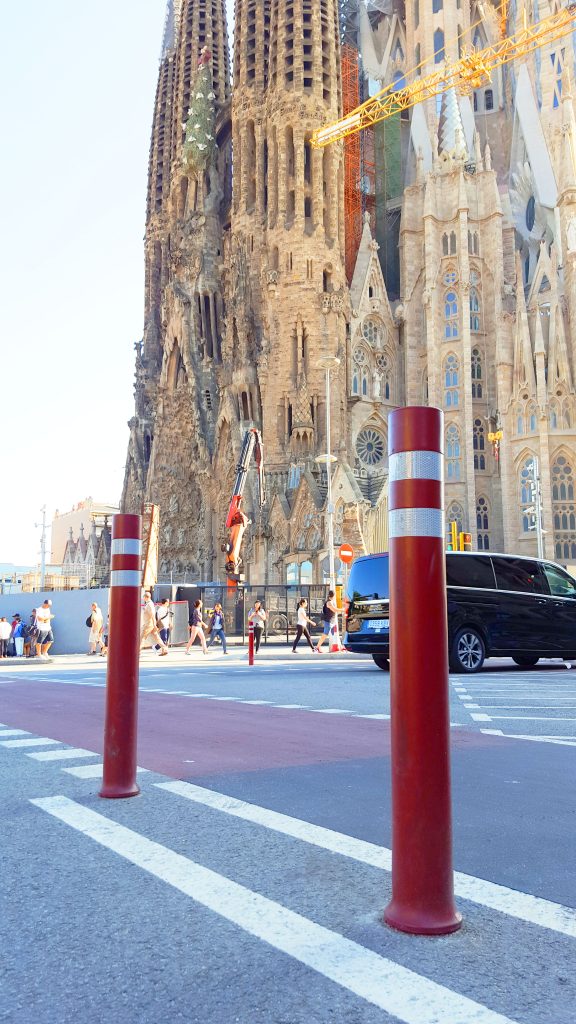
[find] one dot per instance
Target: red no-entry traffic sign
(346, 553)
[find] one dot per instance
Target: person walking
(18, 635)
(149, 627)
(329, 619)
(96, 622)
(45, 636)
(164, 620)
(30, 634)
(302, 625)
(216, 627)
(5, 632)
(258, 616)
(197, 626)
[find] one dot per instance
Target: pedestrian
(5, 632)
(197, 626)
(96, 622)
(216, 626)
(302, 625)
(258, 616)
(164, 620)
(18, 635)
(149, 627)
(44, 636)
(329, 619)
(105, 636)
(30, 633)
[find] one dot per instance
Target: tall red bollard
(120, 731)
(422, 875)
(250, 643)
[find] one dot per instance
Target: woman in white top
(302, 625)
(257, 615)
(96, 629)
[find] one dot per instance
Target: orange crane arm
(470, 72)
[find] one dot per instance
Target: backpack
(89, 621)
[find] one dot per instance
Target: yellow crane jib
(470, 71)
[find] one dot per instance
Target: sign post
(422, 876)
(346, 555)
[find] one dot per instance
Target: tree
(200, 139)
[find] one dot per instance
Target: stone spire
(451, 138)
(202, 30)
(171, 26)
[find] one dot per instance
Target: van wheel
(526, 660)
(382, 662)
(468, 651)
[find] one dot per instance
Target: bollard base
(421, 922)
(119, 792)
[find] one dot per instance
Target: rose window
(372, 331)
(359, 356)
(370, 446)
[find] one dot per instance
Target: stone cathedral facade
(246, 287)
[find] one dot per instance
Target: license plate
(378, 624)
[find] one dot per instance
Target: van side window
(561, 583)
(520, 574)
(469, 571)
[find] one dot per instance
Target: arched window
(417, 58)
(566, 417)
(450, 315)
(438, 46)
(563, 510)
(553, 416)
(384, 373)
(373, 331)
(479, 446)
(474, 311)
(527, 493)
(453, 453)
(360, 370)
(436, 6)
(452, 243)
(306, 572)
(488, 99)
(476, 373)
(482, 524)
(455, 514)
(451, 370)
(532, 419)
(519, 415)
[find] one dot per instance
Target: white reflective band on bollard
(127, 546)
(416, 522)
(416, 466)
(125, 578)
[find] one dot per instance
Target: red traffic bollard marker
(250, 643)
(422, 875)
(120, 730)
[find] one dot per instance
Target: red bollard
(120, 731)
(250, 643)
(422, 874)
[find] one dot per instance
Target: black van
(503, 606)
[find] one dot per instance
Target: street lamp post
(328, 363)
(42, 548)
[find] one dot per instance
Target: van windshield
(369, 579)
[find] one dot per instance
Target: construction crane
(237, 520)
(469, 72)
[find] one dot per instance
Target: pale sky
(77, 82)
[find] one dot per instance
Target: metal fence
(280, 602)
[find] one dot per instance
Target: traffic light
(465, 542)
(453, 541)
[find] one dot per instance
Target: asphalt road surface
(246, 884)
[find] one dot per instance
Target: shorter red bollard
(250, 643)
(120, 730)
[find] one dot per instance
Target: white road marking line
(524, 718)
(92, 771)
(331, 711)
(471, 705)
(39, 741)
(558, 740)
(376, 717)
(294, 707)
(245, 701)
(63, 755)
(523, 906)
(524, 707)
(14, 732)
(492, 732)
(399, 991)
(480, 718)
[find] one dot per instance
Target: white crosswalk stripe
(401, 992)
